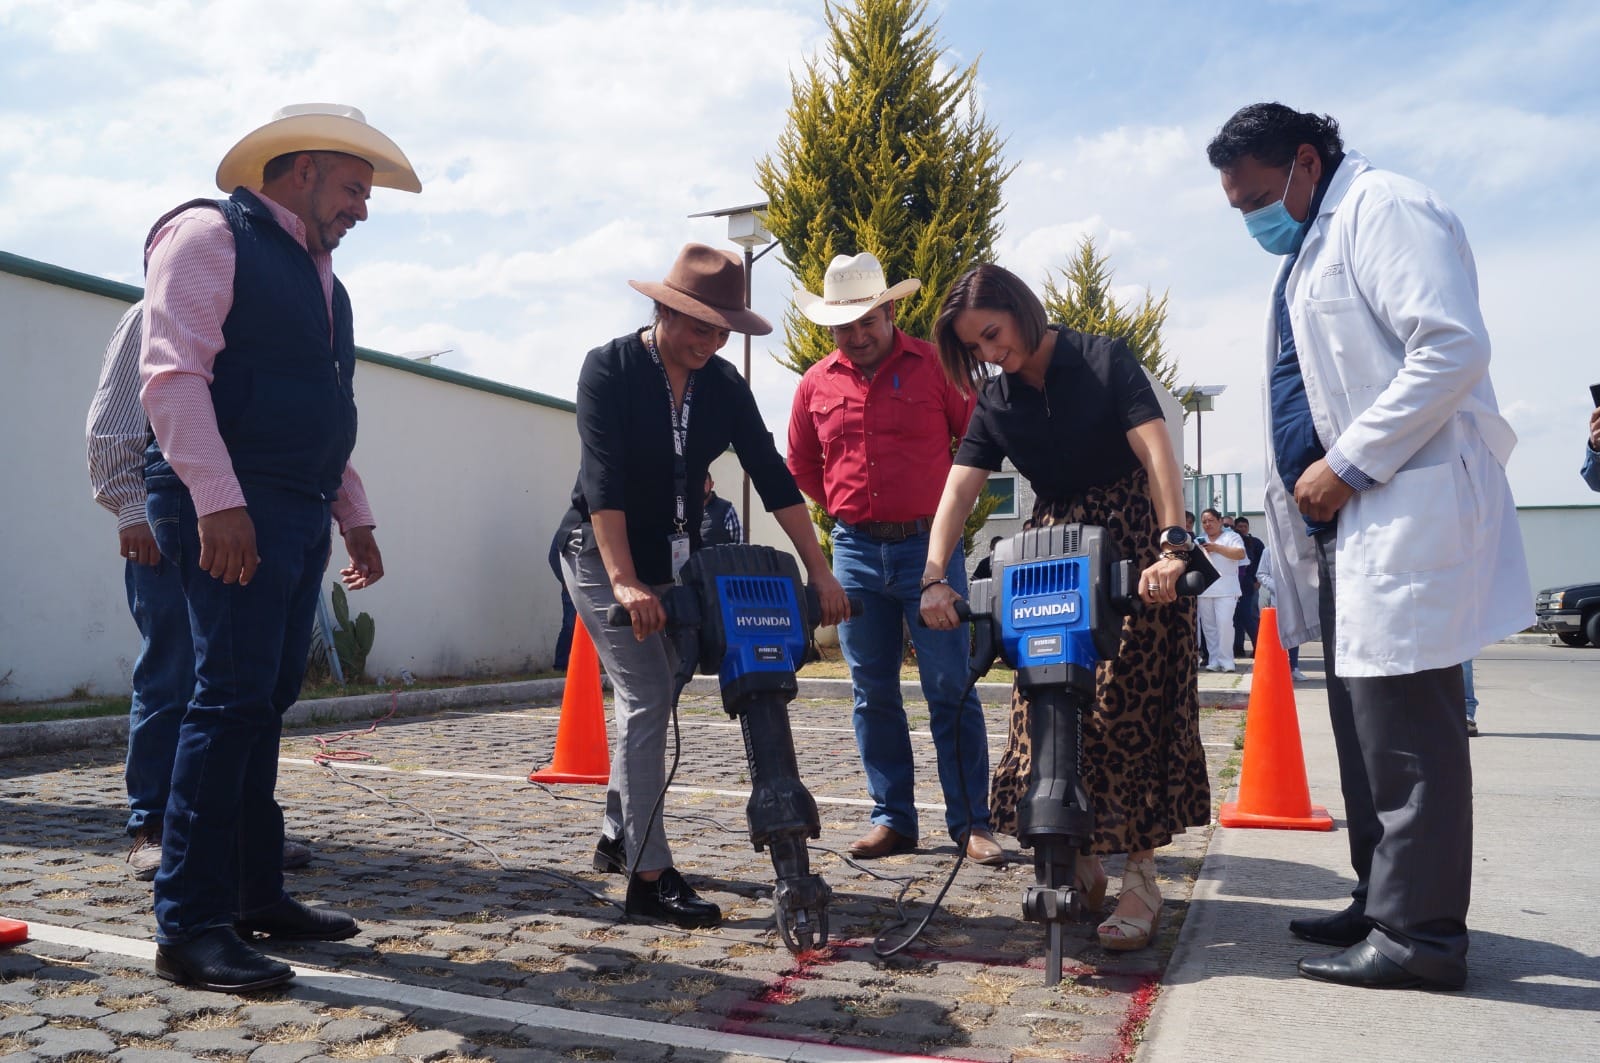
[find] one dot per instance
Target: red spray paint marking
(1144, 998)
(746, 1018)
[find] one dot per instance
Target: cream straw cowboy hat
(850, 288)
(316, 127)
(708, 285)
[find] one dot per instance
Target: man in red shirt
(869, 439)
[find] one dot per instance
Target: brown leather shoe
(881, 841)
(983, 849)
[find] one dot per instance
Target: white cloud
(562, 146)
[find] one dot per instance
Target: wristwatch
(1175, 540)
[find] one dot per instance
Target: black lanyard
(678, 414)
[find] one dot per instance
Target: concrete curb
(54, 736)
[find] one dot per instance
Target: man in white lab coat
(1388, 513)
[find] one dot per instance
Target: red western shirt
(878, 449)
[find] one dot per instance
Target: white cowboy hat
(850, 288)
(316, 127)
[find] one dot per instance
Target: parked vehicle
(1571, 613)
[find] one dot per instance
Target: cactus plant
(351, 640)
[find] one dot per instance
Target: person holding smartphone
(1591, 455)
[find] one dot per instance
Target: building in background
(468, 479)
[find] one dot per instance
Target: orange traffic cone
(1272, 783)
(13, 932)
(582, 753)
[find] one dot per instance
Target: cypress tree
(1082, 301)
(884, 152)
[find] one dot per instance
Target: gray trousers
(641, 685)
(1406, 775)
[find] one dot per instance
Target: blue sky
(562, 147)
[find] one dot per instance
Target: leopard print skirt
(1141, 760)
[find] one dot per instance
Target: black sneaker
(1472, 731)
(610, 856)
(669, 899)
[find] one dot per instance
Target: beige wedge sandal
(1124, 933)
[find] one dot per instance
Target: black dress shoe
(219, 961)
(670, 900)
(289, 920)
(1367, 968)
(1349, 927)
(610, 856)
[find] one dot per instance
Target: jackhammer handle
(814, 606)
(617, 616)
(1200, 574)
(963, 612)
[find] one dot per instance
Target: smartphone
(1594, 393)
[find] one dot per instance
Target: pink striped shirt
(188, 293)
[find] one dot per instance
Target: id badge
(679, 542)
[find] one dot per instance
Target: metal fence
(1223, 492)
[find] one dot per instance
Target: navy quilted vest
(282, 384)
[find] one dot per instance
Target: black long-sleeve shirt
(625, 426)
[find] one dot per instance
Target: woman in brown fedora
(655, 407)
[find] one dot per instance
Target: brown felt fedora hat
(708, 285)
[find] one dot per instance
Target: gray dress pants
(641, 685)
(1406, 775)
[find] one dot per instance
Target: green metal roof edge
(466, 380)
(128, 293)
(68, 278)
(1565, 505)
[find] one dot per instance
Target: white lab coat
(1383, 302)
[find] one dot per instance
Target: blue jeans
(163, 680)
(1472, 695)
(569, 620)
(222, 837)
(1247, 619)
(887, 578)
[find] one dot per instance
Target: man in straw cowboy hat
(246, 371)
(869, 439)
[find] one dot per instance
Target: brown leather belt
(891, 531)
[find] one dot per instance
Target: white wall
(467, 485)
(468, 488)
(1560, 542)
(63, 613)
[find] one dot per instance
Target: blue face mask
(1273, 227)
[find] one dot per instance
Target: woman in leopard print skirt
(1076, 415)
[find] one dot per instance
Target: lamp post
(1197, 400)
(746, 230)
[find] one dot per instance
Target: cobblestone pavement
(471, 881)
